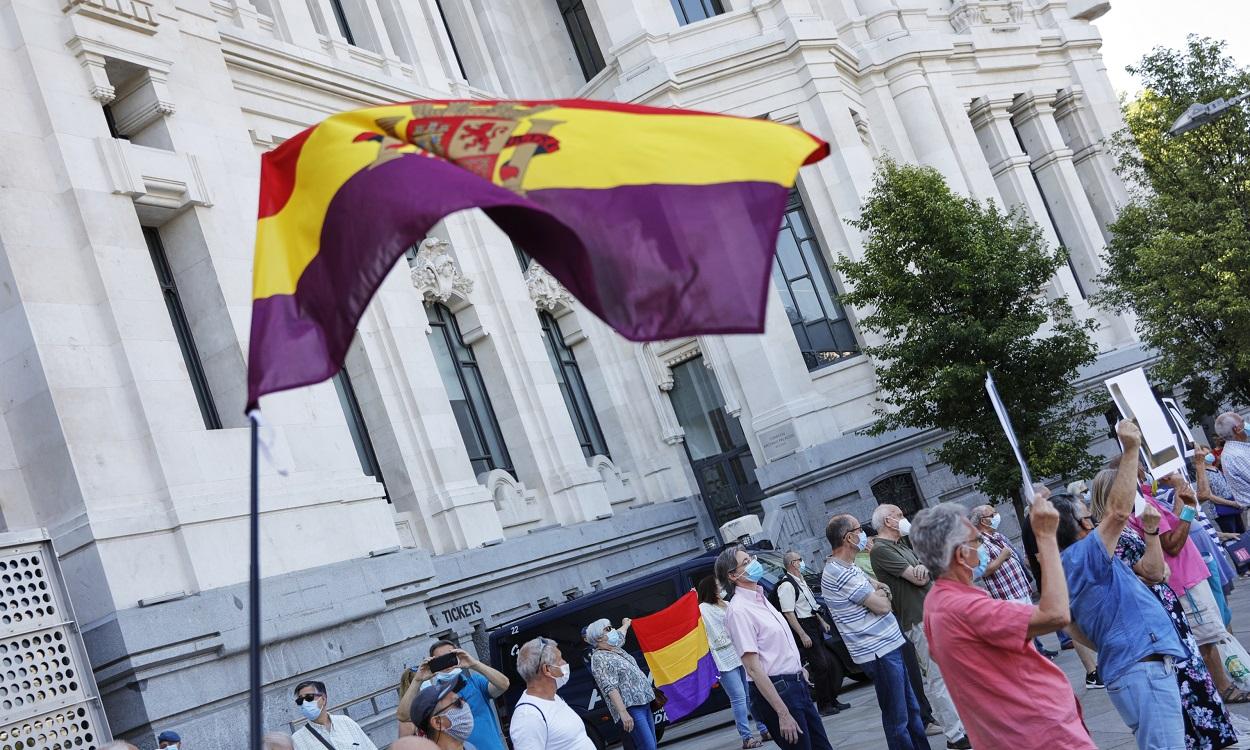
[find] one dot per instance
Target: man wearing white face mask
(323, 730)
(541, 719)
(861, 608)
(443, 716)
(898, 567)
(1005, 577)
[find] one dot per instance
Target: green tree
(1179, 256)
(957, 288)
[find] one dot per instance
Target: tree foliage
(1180, 253)
(957, 288)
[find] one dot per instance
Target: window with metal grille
(689, 11)
(467, 391)
(802, 279)
(357, 427)
(573, 388)
(899, 490)
(182, 329)
(589, 57)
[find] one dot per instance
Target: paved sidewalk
(860, 727)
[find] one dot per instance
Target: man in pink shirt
(1008, 695)
(761, 636)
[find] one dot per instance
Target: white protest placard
(1133, 397)
(1005, 421)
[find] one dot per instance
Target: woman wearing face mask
(625, 688)
(443, 716)
(733, 677)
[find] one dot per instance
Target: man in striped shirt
(861, 607)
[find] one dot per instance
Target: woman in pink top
(1008, 694)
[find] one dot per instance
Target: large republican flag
(675, 645)
(662, 222)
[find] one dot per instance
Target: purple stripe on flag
(688, 693)
(653, 261)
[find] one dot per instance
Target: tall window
(357, 427)
(583, 36)
(182, 329)
(900, 490)
(689, 11)
(522, 257)
(802, 278)
(340, 18)
(573, 388)
(451, 38)
(467, 391)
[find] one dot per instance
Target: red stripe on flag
(277, 174)
(669, 625)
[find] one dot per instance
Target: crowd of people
(940, 611)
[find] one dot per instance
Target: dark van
(643, 596)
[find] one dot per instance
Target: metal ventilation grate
(48, 698)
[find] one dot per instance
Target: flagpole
(253, 588)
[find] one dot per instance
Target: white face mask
(904, 526)
(563, 679)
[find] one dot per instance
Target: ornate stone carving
(437, 275)
(998, 15)
(547, 293)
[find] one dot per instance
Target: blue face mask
(862, 542)
(615, 638)
(754, 571)
(997, 519)
(1210, 459)
(310, 710)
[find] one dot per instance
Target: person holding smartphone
(445, 665)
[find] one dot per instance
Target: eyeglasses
(855, 530)
(306, 697)
(458, 703)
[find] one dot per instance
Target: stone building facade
(491, 448)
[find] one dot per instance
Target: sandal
(1233, 695)
(751, 742)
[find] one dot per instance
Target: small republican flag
(675, 645)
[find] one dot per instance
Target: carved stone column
(1094, 165)
(1051, 160)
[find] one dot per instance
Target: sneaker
(1093, 681)
(933, 730)
(963, 743)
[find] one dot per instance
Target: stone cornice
(310, 70)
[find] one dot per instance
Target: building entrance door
(715, 443)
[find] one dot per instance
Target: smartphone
(446, 661)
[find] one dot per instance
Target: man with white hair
(1235, 458)
(1008, 694)
(541, 720)
(897, 566)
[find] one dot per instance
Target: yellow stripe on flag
(679, 658)
(598, 149)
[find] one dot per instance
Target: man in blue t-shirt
(482, 682)
(1114, 614)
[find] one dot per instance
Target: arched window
(801, 276)
(573, 388)
(465, 388)
(899, 489)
